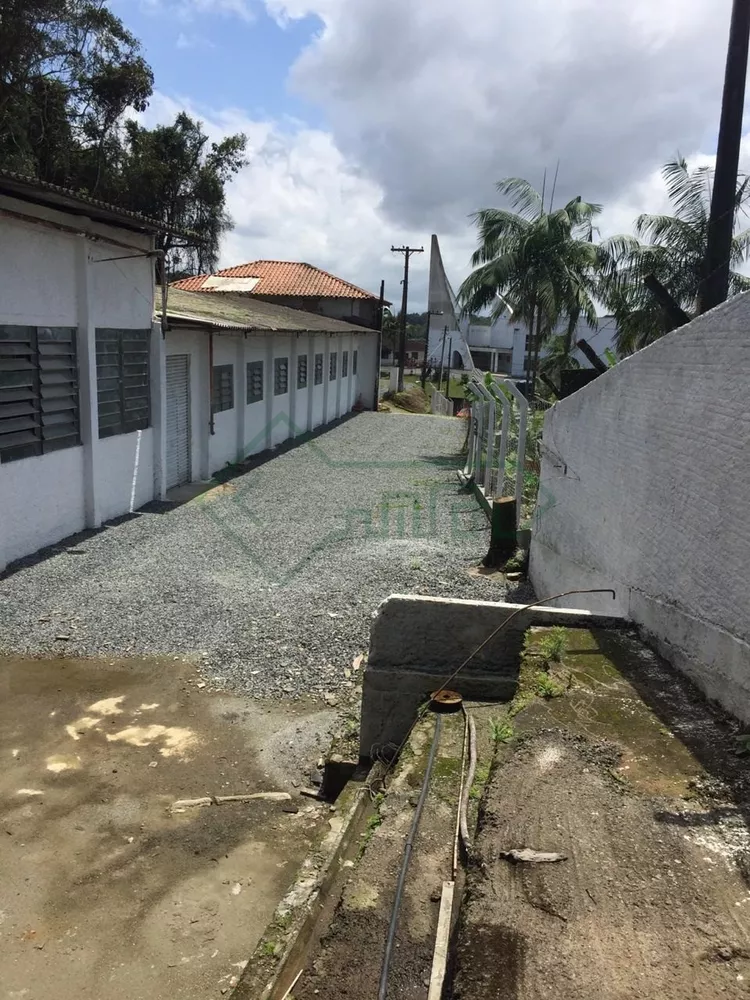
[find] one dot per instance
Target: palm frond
(523, 196)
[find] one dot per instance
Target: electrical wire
(383, 988)
(501, 626)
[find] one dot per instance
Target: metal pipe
(505, 403)
(523, 410)
(383, 989)
(490, 434)
(211, 429)
(469, 443)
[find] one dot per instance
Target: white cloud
(437, 100)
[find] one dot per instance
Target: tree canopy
(70, 75)
(672, 248)
(539, 264)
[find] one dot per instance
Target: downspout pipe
(211, 429)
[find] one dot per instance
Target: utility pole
(381, 312)
(407, 252)
(448, 379)
(442, 358)
(715, 284)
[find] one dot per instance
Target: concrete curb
(269, 977)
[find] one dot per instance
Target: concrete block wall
(418, 642)
(645, 487)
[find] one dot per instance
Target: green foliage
(554, 644)
(502, 731)
(673, 249)
(542, 264)
(481, 775)
(546, 686)
(69, 72)
(172, 173)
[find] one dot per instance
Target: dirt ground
(633, 778)
(347, 964)
(105, 890)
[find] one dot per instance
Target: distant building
(415, 350)
(500, 346)
(294, 285)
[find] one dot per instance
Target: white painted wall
(280, 417)
(255, 413)
(41, 500)
(319, 391)
(124, 473)
(222, 443)
(194, 343)
(644, 488)
(51, 277)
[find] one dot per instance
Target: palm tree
(674, 251)
(542, 264)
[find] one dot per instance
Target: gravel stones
(271, 581)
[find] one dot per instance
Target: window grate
(122, 380)
(302, 371)
(354, 363)
(254, 377)
(38, 391)
(332, 362)
(344, 364)
(280, 376)
(318, 369)
(222, 394)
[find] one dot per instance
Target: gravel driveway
(273, 578)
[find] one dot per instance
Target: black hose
(405, 864)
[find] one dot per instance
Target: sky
(373, 123)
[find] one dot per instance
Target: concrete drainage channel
(362, 887)
(602, 788)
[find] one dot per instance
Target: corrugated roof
(279, 277)
(241, 312)
(43, 193)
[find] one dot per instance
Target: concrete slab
(106, 891)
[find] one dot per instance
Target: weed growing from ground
(554, 644)
(501, 731)
(546, 686)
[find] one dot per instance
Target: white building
(243, 376)
(497, 347)
(96, 401)
(77, 408)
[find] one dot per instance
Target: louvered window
(332, 366)
(222, 390)
(38, 390)
(280, 376)
(344, 364)
(254, 381)
(302, 371)
(354, 363)
(318, 369)
(122, 381)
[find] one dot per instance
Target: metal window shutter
(178, 419)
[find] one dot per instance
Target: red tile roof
(283, 278)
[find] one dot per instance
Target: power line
(407, 252)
